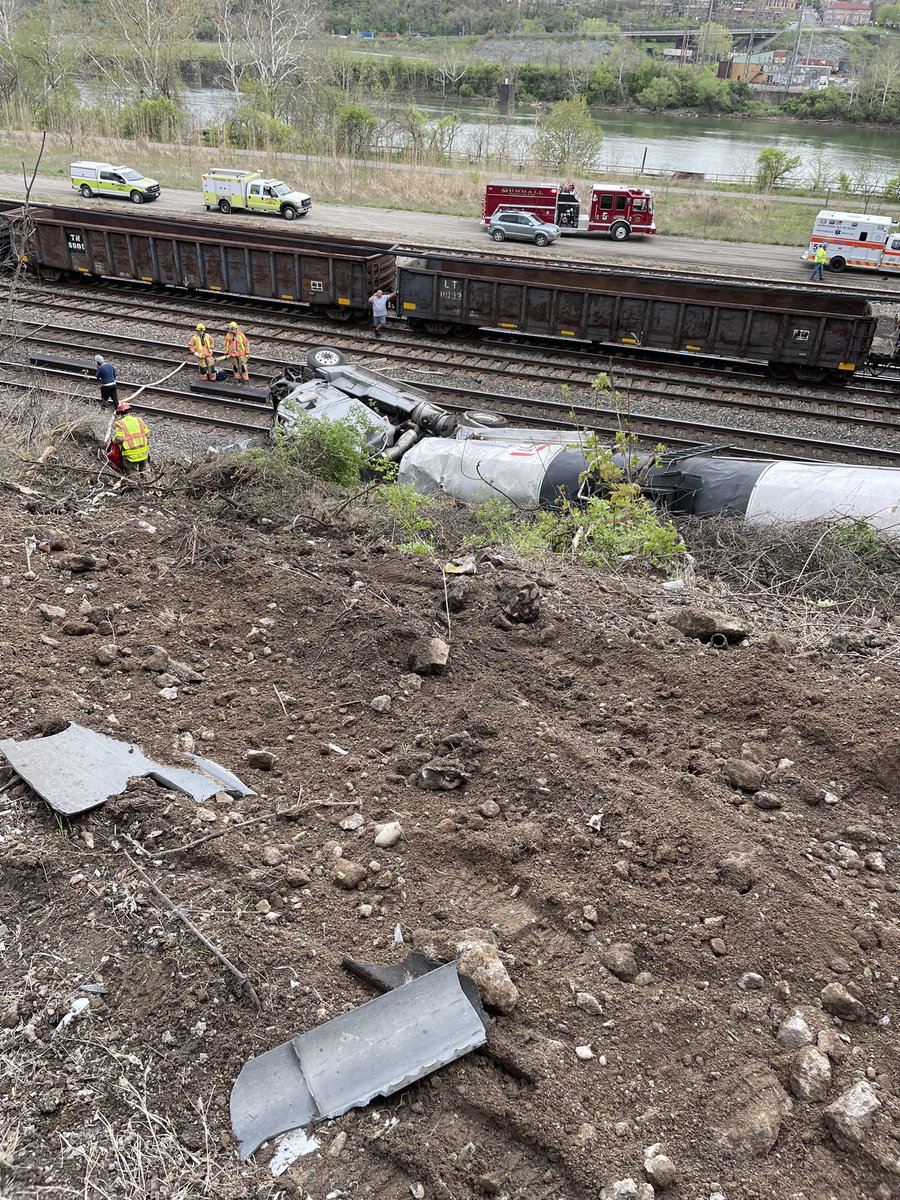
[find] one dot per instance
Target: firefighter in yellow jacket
(237, 349)
(133, 436)
(201, 346)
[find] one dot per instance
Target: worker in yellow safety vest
(820, 258)
(134, 437)
(201, 346)
(238, 350)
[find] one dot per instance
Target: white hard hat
(98, 358)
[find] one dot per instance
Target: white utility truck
(227, 190)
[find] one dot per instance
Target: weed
(409, 510)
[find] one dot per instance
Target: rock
(481, 960)
(660, 1170)
(525, 605)
(584, 1052)
(779, 643)
(346, 874)
(260, 760)
(628, 1189)
(272, 856)
(106, 655)
(737, 870)
(380, 704)
(810, 1074)
(489, 809)
(750, 981)
(53, 643)
(52, 612)
(590, 914)
(619, 959)
(718, 947)
(852, 1114)
(76, 563)
(185, 673)
(168, 693)
(767, 800)
(702, 623)
(748, 1108)
(417, 1191)
(388, 834)
(831, 1043)
(353, 822)
(794, 1033)
(77, 628)
(337, 1146)
(156, 659)
(874, 862)
(441, 775)
(429, 656)
(744, 774)
(165, 680)
(589, 1003)
(840, 1003)
(457, 594)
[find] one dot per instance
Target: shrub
(409, 510)
(334, 451)
(156, 120)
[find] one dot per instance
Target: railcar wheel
(619, 231)
(136, 198)
(224, 206)
(325, 356)
(86, 191)
(50, 274)
(810, 374)
(837, 263)
(779, 370)
(440, 327)
(498, 235)
(336, 312)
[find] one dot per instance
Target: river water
(711, 146)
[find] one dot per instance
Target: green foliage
(892, 189)
(844, 181)
(714, 41)
(334, 451)
(861, 539)
(773, 165)
(889, 15)
(659, 93)
(156, 120)
(409, 510)
(249, 128)
(568, 138)
(355, 129)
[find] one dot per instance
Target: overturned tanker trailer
(476, 456)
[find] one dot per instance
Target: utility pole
(687, 15)
(796, 51)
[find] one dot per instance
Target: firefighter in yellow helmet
(201, 346)
(133, 436)
(238, 350)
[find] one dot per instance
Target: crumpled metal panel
(229, 781)
(373, 1050)
(79, 768)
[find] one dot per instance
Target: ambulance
(228, 190)
(103, 179)
(861, 240)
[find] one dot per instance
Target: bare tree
(271, 43)
(45, 53)
(10, 10)
(452, 68)
(154, 34)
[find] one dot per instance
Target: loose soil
(296, 622)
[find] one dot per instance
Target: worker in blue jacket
(106, 377)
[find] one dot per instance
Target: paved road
(733, 260)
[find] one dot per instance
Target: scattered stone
(584, 1052)
(643, 979)
(794, 1033)
(702, 623)
(481, 960)
(429, 656)
(874, 862)
(168, 693)
(831, 1043)
(489, 809)
(810, 1074)
(589, 1003)
(619, 959)
(417, 1191)
(750, 981)
(380, 704)
(840, 1003)
(76, 563)
(748, 1108)
(388, 834)
(185, 673)
(272, 856)
(348, 875)
(106, 655)
(441, 775)
(767, 800)
(852, 1114)
(457, 593)
(261, 760)
(590, 914)
(337, 1146)
(744, 774)
(165, 680)
(738, 870)
(660, 1170)
(53, 643)
(156, 659)
(75, 628)
(353, 822)
(779, 643)
(628, 1189)
(718, 947)
(525, 606)
(52, 612)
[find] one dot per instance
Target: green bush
(334, 451)
(409, 510)
(250, 129)
(156, 120)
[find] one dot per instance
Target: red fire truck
(619, 211)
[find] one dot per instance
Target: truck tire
(837, 263)
(224, 206)
(136, 198)
(619, 231)
(474, 418)
(325, 356)
(498, 235)
(541, 239)
(289, 212)
(86, 191)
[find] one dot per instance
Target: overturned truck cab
(473, 456)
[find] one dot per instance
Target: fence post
(644, 159)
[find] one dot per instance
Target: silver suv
(522, 226)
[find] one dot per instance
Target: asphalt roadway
(732, 260)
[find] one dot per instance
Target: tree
(568, 137)
(153, 35)
(45, 55)
(355, 130)
(659, 93)
(888, 14)
(772, 166)
(270, 44)
(452, 68)
(892, 189)
(713, 42)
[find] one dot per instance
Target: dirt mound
(674, 849)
